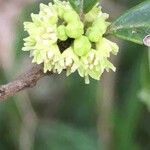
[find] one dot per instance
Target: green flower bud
(75, 29)
(70, 16)
(93, 34)
(94, 37)
(82, 46)
(61, 33)
(101, 24)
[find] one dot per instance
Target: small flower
(61, 7)
(68, 61)
(96, 61)
(38, 56)
(48, 13)
(105, 47)
(52, 57)
(29, 44)
(90, 65)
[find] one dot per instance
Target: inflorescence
(88, 51)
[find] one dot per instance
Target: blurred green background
(65, 114)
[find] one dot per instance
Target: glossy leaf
(89, 4)
(134, 25)
(83, 5)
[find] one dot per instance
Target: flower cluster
(88, 52)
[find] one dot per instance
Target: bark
(26, 80)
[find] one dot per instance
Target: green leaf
(89, 4)
(83, 6)
(134, 25)
(75, 4)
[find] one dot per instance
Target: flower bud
(70, 16)
(101, 24)
(93, 34)
(82, 46)
(61, 33)
(75, 29)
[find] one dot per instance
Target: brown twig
(26, 80)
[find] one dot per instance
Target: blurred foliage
(74, 125)
(145, 79)
(63, 137)
(80, 101)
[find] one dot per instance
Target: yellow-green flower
(68, 61)
(90, 66)
(53, 56)
(96, 61)
(88, 52)
(106, 47)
